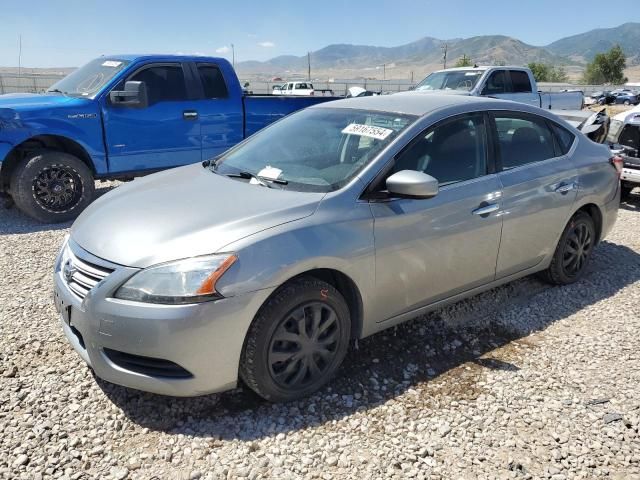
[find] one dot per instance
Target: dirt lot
(524, 381)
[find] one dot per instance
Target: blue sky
(70, 32)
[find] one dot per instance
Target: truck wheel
(51, 186)
(297, 341)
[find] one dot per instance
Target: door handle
(486, 209)
(565, 187)
(190, 115)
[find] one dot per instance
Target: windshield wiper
(55, 90)
(261, 180)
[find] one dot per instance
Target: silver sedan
(330, 225)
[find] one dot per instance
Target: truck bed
(261, 110)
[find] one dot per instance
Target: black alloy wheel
(57, 188)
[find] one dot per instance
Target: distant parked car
(625, 98)
(336, 222)
(600, 98)
(295, 88)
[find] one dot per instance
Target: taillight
(617, 163)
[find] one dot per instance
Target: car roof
(415, 103)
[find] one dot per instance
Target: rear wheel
(573, 251)
(297, 341)
(52, 186)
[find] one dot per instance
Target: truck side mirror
(134, 95)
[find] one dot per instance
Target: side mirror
(134, 95)
(412, 184)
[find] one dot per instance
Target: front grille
(81, 276)
(153, 367)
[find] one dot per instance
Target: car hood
(435, 92)
(180, 213)
(34, 101)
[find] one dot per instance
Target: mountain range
(426, 54)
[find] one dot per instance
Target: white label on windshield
(367, 131)
(270, 172)
(111, 63)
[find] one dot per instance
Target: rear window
(565, 138)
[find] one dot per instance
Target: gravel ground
(524, 381)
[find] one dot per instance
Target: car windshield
(87, 80)
(452, 80)
(314, 150)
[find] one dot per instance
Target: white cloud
(224, 49)
(267, 44)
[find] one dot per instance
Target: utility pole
(384, 71)
(444, 56)
(19, 59)
(309, 66)
(233, 56)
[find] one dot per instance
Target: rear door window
(523, 139)
(520, 82)
(213, 82)
(565, 138)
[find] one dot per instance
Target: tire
(51, 186)
(278, 361)
(627, 103)
(566, 266)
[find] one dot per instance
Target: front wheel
(573, 251)
(297, 341)
(51, 186)
(627, 103)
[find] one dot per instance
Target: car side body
(390, 258)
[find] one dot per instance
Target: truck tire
(297, 341)
(51, 186)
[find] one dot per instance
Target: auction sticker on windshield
(111, 63)
(378, 133)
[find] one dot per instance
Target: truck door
(164, 134)
(221, 115)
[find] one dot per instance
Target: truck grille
(81, 276)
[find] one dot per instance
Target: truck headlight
(186, 281)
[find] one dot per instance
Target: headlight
(186, 281)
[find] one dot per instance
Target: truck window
(496, 84)
(520, 82)
(212, 81)
(165, 83)
(289, 86)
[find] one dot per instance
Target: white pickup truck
(509, 83)
(294, 88)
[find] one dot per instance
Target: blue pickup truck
(120, 117)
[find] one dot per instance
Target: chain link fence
(36, 83)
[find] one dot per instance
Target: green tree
(607, 68)
(558, 75)
(540, 71)
(548, 73)
(463, 61)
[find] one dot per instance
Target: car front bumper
(205, 340)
